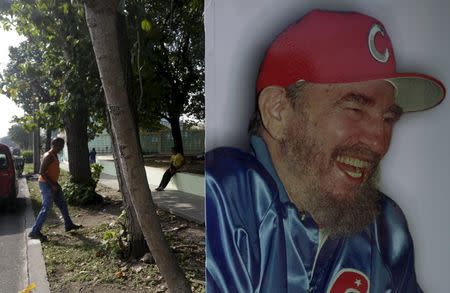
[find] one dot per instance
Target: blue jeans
(48, 197)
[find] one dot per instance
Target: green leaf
(66, 8)
(146, 25)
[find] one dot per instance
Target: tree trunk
(101, 20)
(176, 133)
(36, 149)
(77, 144)
(29, 144)
(138, 245)
(48, 139)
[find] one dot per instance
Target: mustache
(359, 151)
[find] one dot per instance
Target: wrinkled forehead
(371, 93)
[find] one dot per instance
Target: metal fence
(156, 142)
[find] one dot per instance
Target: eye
(354, 112)
(354, 109)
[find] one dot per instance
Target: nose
(376, 135)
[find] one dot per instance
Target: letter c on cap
(373, 50)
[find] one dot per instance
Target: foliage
(7, 140)
(74, 260)
(167, 51)
(20, 136)
(53, 74)
(54, 69)
(28, 168)
(96, 171)
(25, 82)
(83, 194)
(27, 156)
(114, 241)
(78, 194)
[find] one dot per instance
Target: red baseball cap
(343, 47)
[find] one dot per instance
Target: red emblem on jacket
(349, 281)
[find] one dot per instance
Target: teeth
(353, 162)
(354, 174)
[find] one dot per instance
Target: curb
(35, 265)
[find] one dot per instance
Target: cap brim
(417, 92)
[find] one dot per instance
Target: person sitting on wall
(176, 162)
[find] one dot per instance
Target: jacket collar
(260, 151)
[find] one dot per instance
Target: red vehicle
(8, 179)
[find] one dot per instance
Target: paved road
(13, 253)
(21, 260)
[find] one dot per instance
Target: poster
(416, 170)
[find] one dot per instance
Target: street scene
(182, 219)
(102, 134)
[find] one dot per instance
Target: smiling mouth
(355, 168)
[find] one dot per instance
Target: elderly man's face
(338, 135)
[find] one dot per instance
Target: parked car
(19, 161)
(8, 179)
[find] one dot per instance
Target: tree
(137, 244)
(7, 140)
(101, 16)
(144, 92)
(146, 98)
(58, 29)
(20, 136)
(28, 83)
(168, 60)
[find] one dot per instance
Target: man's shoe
(73, 227)
(159, 189)
(39, 236)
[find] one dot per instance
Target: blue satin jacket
(257, 240)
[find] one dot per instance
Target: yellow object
(177, 160)
(29, 288)
(146, 25)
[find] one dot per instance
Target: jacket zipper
(322, 239)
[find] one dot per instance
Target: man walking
(302, 212)
(51, 191)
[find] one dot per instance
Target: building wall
(156, 142)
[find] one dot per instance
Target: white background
(7, 107)
(416, 170)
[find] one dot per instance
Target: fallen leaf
(29, 288)
(119, 275)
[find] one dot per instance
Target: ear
(273, 104)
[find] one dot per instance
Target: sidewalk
(186, 205)
(183, 204)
